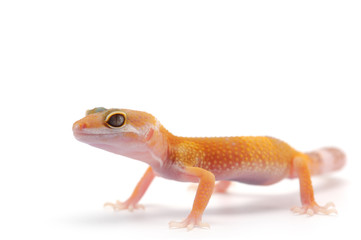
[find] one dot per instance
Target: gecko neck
(158, 147)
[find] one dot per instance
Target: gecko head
(121, 131)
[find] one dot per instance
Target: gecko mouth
(91, 138)
(91, 132)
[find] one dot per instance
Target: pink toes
(312, 209)
(190, 222)
(117, 206)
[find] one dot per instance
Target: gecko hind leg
(222, 186)
(309, 205)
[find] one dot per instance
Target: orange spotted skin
(253, 160)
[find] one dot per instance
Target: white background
(289, 69)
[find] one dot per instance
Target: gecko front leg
(132, 202)
(204, 193)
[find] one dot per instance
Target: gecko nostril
(84, 125)
(78, 126)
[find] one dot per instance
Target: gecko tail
(325, 160)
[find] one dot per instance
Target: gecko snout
(79, 126)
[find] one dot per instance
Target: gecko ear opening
(149, 134)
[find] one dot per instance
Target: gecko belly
(255, 177)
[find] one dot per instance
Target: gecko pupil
(116, 120)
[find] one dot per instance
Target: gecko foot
(117, 206)
(314, 208)
(190, 222)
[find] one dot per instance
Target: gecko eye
(115, 120)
